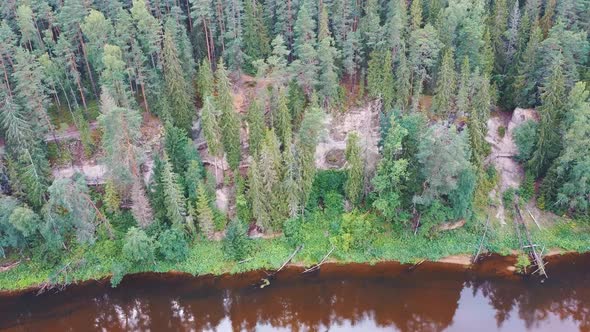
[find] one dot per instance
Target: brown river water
(356, 297)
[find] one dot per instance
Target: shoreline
(502, 266)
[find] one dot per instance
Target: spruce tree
(442, 102)
(177, 88)
(212, 131)
(282, 120)
(463, 94)
(548, 145)
(380, 80)
(173, 198)
(306, 66)
(355, 169)
(256, 126)
(229, 119)
(204, 213)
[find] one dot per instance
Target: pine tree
(442, 102)
(98, 30)
(229, 120)
(26, 25)
(355, 169)
(149, 31)
(204, 213)
(275, 66)
(114, 75)
(120, 143)
(256, 126)
(177, 88)
(30, 91)
(424, 49)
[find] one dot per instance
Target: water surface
(430, 297)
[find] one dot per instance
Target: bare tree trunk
(87, 64)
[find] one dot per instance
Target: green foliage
(356, 232)
(355, 170)
(325, 182)
(380, 81)
(138, 247)
(526, 191)
(525, 137)
(229, 119)
(522, 263)
(236, 244)
(173, 245)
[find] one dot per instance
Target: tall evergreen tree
(355, 169)
(548, 145)
(442, 102)
(306, 66)
(177, 88)
(229, 120)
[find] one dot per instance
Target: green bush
(236, 244)
(325, 182)
(173, 245)
(501, 131)
(525, 137)
(527, 188)
(356, 232)
(138, 247)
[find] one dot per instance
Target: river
(356, 297)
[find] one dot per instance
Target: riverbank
(104, 260)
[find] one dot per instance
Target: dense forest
(180, 104)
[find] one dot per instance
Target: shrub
(527, 188)
(138, 247)
(501, 131)
(525, 137)
(173, 245)
(356, 232)
(522, 262)
(236, 244)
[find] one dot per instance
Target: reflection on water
(385, 297)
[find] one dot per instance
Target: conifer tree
(282, 120)
(327, 56)
(177, 88)
(229, 119)
(463, 102)
(355, 169)
(380, 81)
(445, 85)
(256, 126)
(114, 75)
(205, 80)
(477, 123)
(30, 91)
(257, 197)
(275, 66)
(370, 26)
(391, 171)
(204, 212)
(548, 145)
(256, 39)
(416, 15)
(211, 130)
(26, 25)
(173, 198)
(141, 209)
(98, 30)
(306, 65)
(403, 86)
